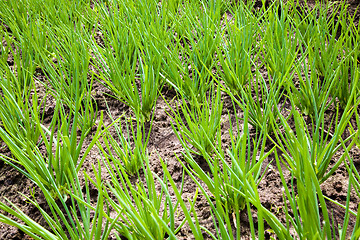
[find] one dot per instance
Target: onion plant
(178, 75)
(245, 159)
(14, 15)
(23, 131)
(72, 216)
(317, 29)
(54, 173)
(19, 127)
(313, 94)
(69, 78)
(326, 47)
(130, 64)
(15, 113)
(68, 145)
(198, 123)
(141, 211)
(317, 145)
(190, 213)
(279, 42)
(25, 62)
(188, 66)
(304, 21)
(265, 106)
(129, 145)
(238, 49)
(227, 221)
(204, 37)
(348, 76)
(325, 79)
(5, 48)
(233, 185)
(307, 212)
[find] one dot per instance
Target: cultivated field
(194, 119)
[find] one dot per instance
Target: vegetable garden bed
(124, 119)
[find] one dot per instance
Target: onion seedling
(279, 42)
(243, 161)
(317, 145)
(72, 216)
(129, 147)
(238, 49)
(142, 211)
(130, 63)
(198, 124)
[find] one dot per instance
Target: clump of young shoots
(245, 159)
(142, 211)
(349, 74)
(325, 46)
(129, 145)
(72, 216)
(130, 62)
(237, 49)
(16, 115)
(247, 155)
(5, 48)
(52, 166)
(234, 185)
(279, 45)
(309, 212)
(325, 72)
(317, 145)
(69, 78)
(263, 107)
(198, 123)
(313, 94)
(189, 62)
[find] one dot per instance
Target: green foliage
(279, 42)
(141, 211)
(285, 67)
(128, 147)
(317, 145)
(198, 123)
(133, 53)
(238, 49)
(71, 216)
(23, 131)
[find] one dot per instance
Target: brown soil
(163, 142)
